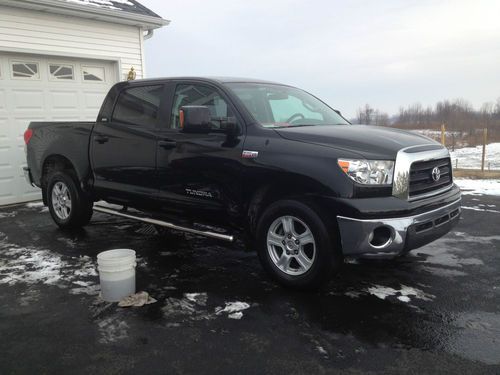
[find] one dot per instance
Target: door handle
(167, 144)
(101, 139)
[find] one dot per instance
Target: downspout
(148, 35)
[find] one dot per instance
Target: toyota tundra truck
(266, 163)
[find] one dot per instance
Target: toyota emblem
(436, 174)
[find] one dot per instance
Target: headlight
(368, 172)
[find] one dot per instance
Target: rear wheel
(296, 246)
(68, 204)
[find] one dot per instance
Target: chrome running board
(165, 224)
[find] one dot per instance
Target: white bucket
(116, 274)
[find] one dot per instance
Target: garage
(57, 61)
(42, 88)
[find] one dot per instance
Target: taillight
(27, 135)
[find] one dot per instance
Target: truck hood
(372, 142)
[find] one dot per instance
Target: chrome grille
(422, 182)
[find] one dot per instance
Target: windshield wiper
(296, 126)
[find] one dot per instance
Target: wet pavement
(435, 311)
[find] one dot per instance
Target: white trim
(85, 11)
(143, 57)
(58, 54)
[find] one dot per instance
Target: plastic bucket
(116, 274)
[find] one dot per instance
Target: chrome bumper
(385, 238)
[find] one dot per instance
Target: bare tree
(365, 115)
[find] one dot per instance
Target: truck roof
(216, 80)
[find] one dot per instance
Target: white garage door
(35, 88)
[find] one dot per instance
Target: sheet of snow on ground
(38, 205)
(481, 208)
(470, 157)
(403, 294)
(31, 265)
(4, 215)
(193, 307)
(233, 309)
(478, 187)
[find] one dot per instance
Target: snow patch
(403, 294)
(476, 208)
(109, 4)
(470, 157)
(30, 265)
(478, 187)
(322, 350)
(233, 309)
(198, 298)
(236, 315)
(34, 204)
(4, 215)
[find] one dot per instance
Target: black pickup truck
(260, 161)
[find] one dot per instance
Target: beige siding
(44, 33)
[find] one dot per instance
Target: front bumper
(386, 238)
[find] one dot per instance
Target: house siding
(47, 34)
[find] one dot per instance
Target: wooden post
(443, 138)
(485, 140)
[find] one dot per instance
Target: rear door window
(139, 106)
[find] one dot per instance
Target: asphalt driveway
(436, 311)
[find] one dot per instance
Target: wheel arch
(54, 162)
(279, 188)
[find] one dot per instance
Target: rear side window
(139, 106)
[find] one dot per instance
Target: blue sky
(386, 53)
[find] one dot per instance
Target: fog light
(380, 237)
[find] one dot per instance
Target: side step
(165, 224)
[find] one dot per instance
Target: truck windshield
(276, 106)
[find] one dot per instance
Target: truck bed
(69, 139)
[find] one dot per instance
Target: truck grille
(422, 182)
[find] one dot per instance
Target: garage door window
(93, 73)
(61, 72)
(139, 106)
(25, 70)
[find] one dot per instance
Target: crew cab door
(123, 147)
(199, 174)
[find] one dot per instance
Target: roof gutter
(86, 11)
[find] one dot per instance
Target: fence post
(485, 140)
(443, 139)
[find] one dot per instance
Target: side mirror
(198, 119)
(194, 119)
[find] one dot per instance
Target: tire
(69, 207)
(296, 246)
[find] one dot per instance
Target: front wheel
(296, 245)
(68, 205)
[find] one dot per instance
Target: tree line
(458, 115)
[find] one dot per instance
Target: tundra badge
(249, 154)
